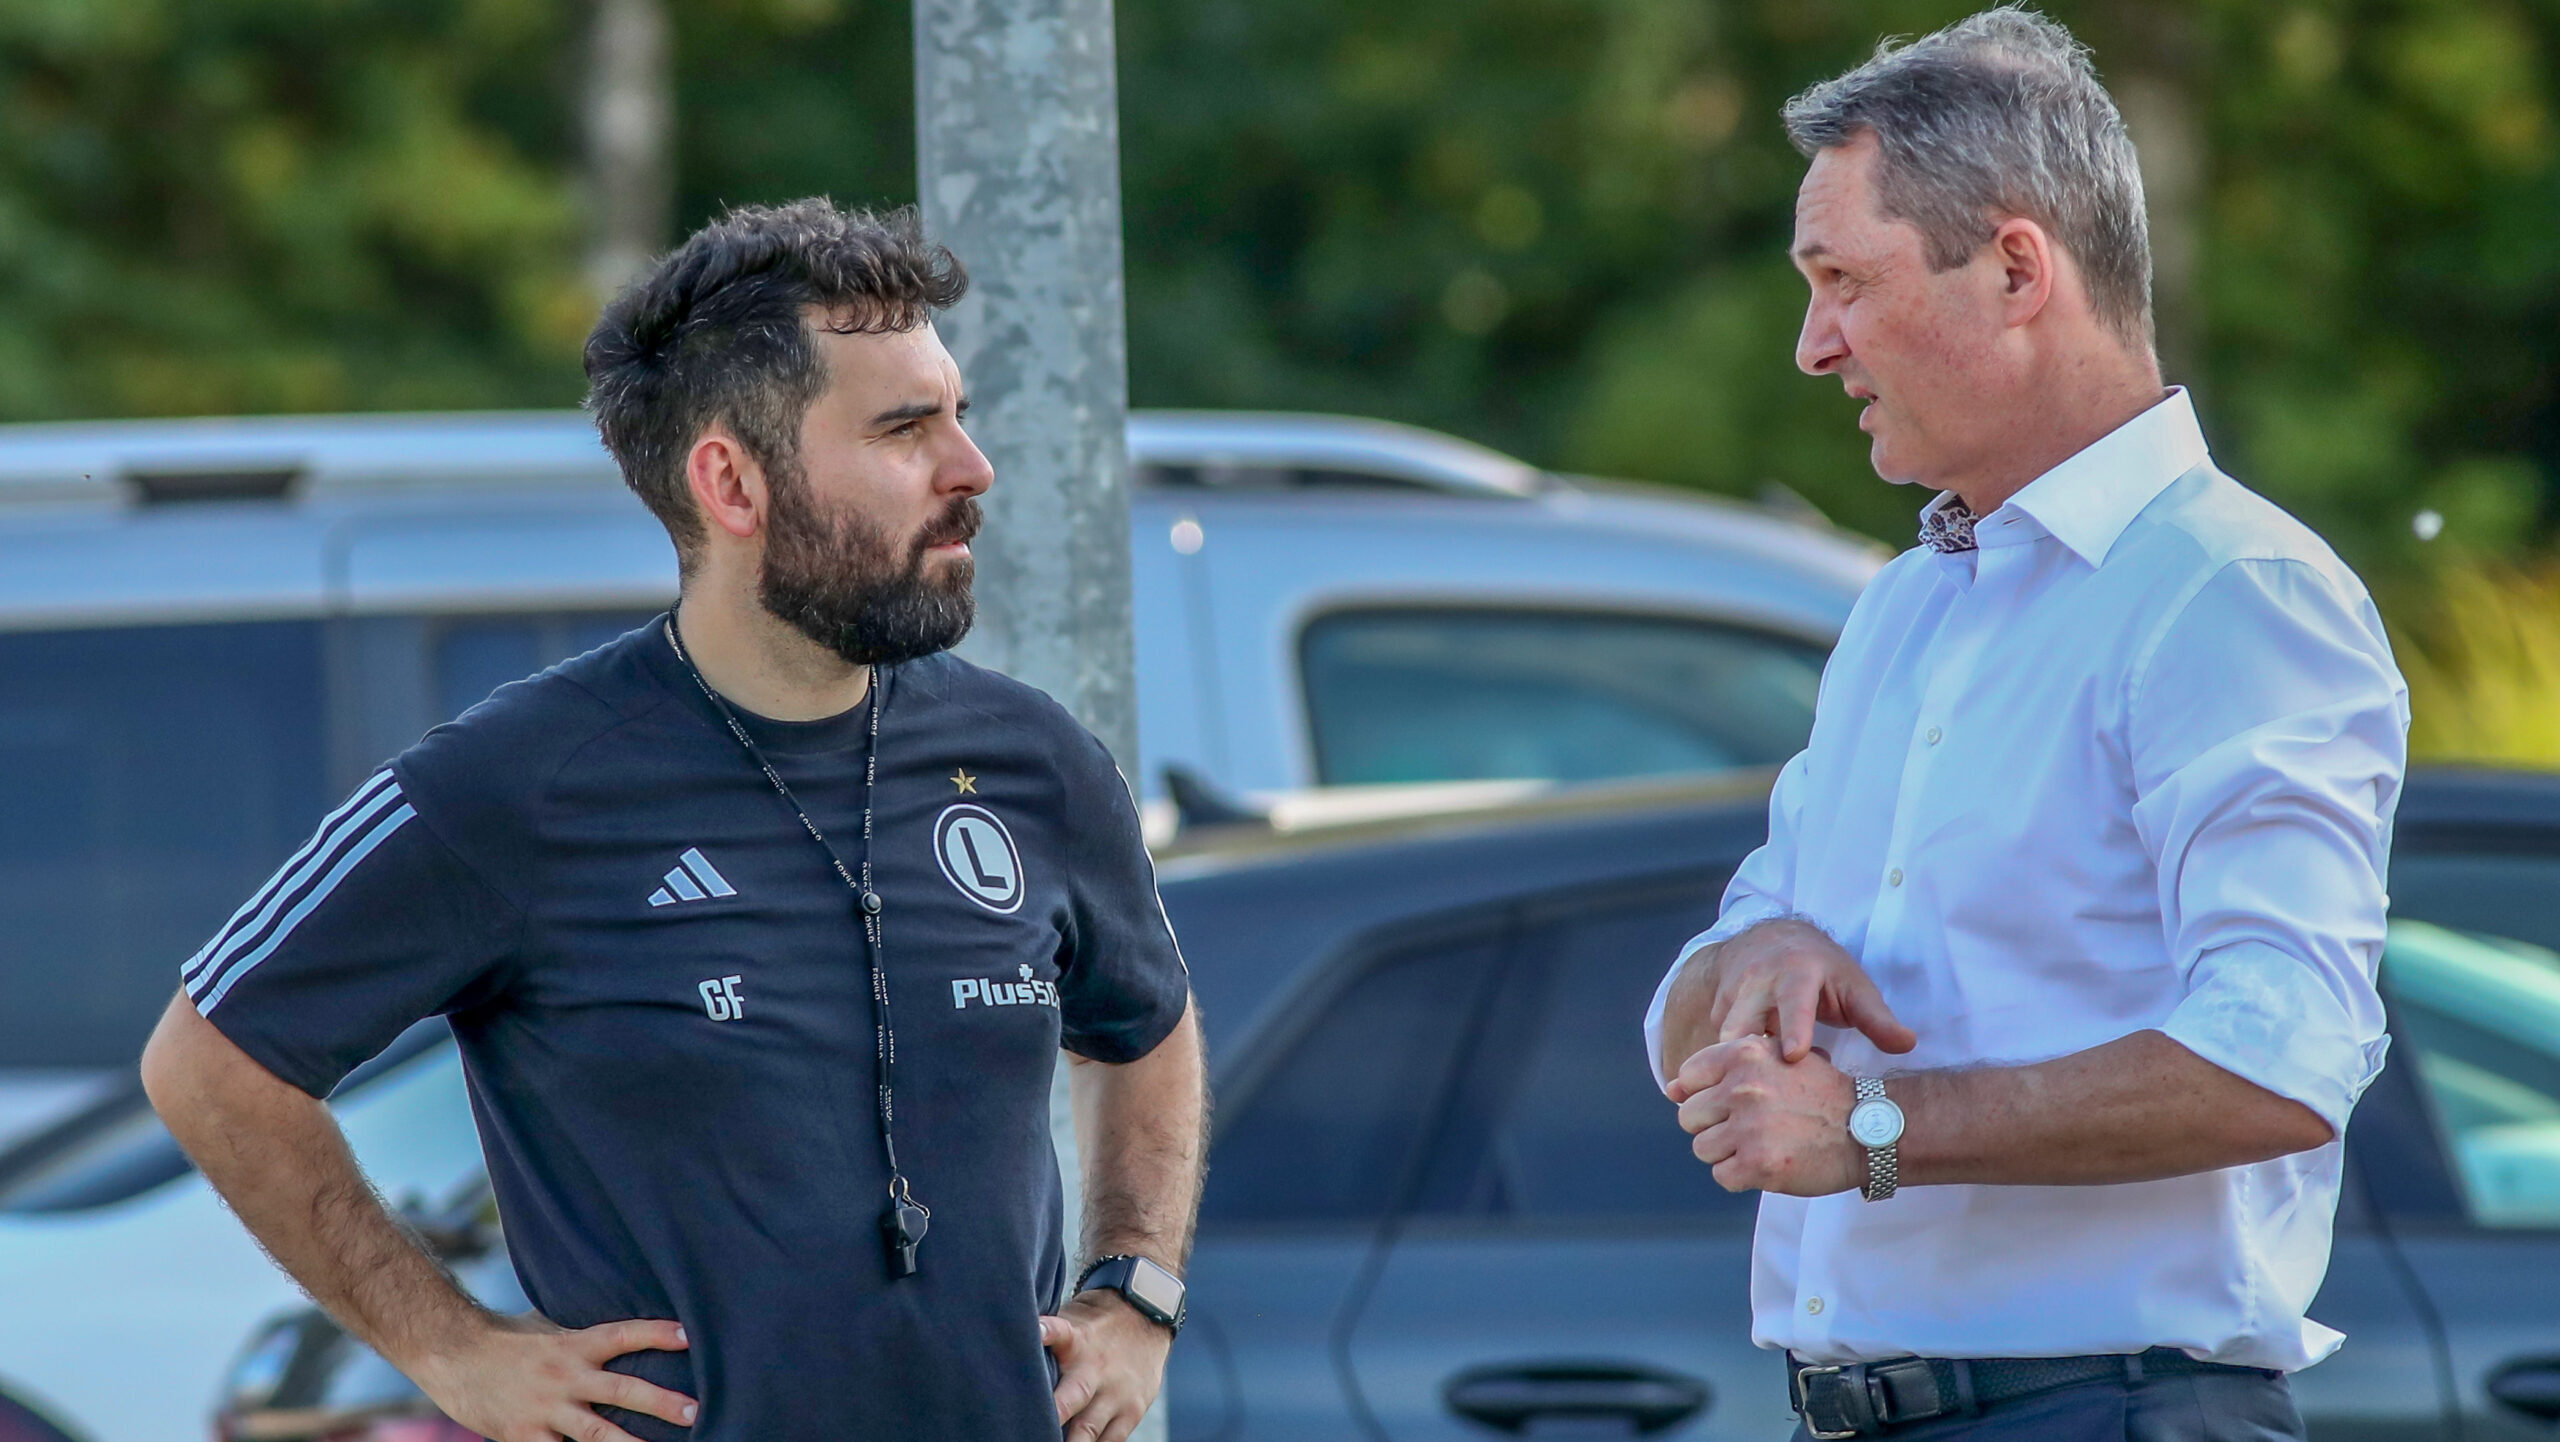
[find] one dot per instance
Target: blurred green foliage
(1560, 225)
(2482, 655)
(1555, 225)
(262, 205)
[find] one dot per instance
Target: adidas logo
(693, 878)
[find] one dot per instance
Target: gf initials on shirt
(720, 998)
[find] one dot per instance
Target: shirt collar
(2088, 500)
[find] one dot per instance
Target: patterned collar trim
(1947, 527)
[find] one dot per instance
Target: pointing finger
(1867, 1012)
(1749, 1014)
(1799, 999)
(1719, 1003)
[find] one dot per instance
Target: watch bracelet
(1884, 1163)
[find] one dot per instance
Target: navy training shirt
(658, 985)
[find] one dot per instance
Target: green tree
(1559, 224)
(1556, 225)
(265, 205)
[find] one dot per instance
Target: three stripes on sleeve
(345, 838)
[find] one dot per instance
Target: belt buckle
(1804, 1403)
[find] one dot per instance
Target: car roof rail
(1282, 450)
(229, 458)
(149, 463)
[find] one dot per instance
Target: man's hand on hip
(1768, 1124)
(524, 1379)
(1110, 1365)
(1777, 979)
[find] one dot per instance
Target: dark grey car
(1446, 1198)
(1446, 1201)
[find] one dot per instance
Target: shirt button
(1933, 734)
(1893, 877)
(1813, 1306)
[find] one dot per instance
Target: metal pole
(628, 111)
(1018, 166)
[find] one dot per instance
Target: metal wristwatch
(1875, 1123)
(1158, 1294)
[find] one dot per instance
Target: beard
(851, 587)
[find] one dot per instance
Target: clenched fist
(1764, 1123)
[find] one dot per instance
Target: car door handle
(1542, 1396)
(2531, 1387)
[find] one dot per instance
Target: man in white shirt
(2069, 914)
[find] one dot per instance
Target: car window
(116, 1149)
(153, 776)
(2473, 977)
(1413, 694)
(1329, 1134)
(1559, 1118)
(469, 657)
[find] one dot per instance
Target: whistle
(902, 1228)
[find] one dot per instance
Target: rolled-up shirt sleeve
(1761, 890)
(2268, 734)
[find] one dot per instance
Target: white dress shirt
(2129, 765)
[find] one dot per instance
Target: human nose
(1820, 348)
(966, 471)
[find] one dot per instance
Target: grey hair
(1998, 116)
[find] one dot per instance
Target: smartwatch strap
(1114, 1274)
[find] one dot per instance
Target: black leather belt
(1869, 1399)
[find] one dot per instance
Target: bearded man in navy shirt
(760, 930)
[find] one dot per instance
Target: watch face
(1875, 1123)
(1157, 1288)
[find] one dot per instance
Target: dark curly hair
(719, 333)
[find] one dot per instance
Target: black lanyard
(902, 1225)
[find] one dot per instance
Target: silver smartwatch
(1158, 1294)
(1875, 1123)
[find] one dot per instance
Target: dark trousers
(2207, 1407)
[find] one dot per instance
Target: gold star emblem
(967, 783)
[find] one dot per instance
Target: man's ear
(2028, 265)
(728, 485)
